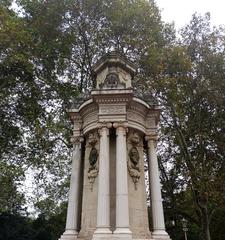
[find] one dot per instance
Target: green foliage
(47, 50)
(14, 227)
(11, 200)
(191, 90)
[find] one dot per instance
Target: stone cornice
(112, 96)
(112, 92)
(140, 101)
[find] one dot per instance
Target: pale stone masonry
(107, 198)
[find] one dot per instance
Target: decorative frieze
(113, 100)
(112, 109)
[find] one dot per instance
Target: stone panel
(89, 204)
(137, 196)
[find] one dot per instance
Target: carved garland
(93, 160)
(133, 161)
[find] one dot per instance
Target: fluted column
(72, 219)
(122, 204)
(103, 205)
(155, 187)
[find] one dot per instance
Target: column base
(69, 235)
(122, 233)
(160, 235)
(102, 233)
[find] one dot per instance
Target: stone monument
(107, 198)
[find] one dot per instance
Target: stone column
(122, 204)
(72, 219)
(103, 206)
(155, 193)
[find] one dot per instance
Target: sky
(180, 11)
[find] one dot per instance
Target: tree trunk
(205, 224)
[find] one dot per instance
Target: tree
(15, 227)
(190, 87)
(48, 49)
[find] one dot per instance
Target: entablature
(114, 106)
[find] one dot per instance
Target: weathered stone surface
(114, 124)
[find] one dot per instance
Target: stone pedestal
(114, 122)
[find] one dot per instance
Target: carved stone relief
(125, 77)
(112, 81)
(112, 109)
(133, 160)
(93, 159)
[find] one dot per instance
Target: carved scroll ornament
(93, 160)
(133, 162)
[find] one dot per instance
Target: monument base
(160, 235)
(69, 235)
(122, 233)
(102, 233)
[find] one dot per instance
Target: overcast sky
(180, 11)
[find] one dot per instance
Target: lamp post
(184, 227)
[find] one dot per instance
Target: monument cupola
(111, 129)
(114, 71)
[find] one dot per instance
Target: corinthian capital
(76, 140)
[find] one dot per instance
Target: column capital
(153, 137)
(76, 140)
(104, 125)
(122, 124)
